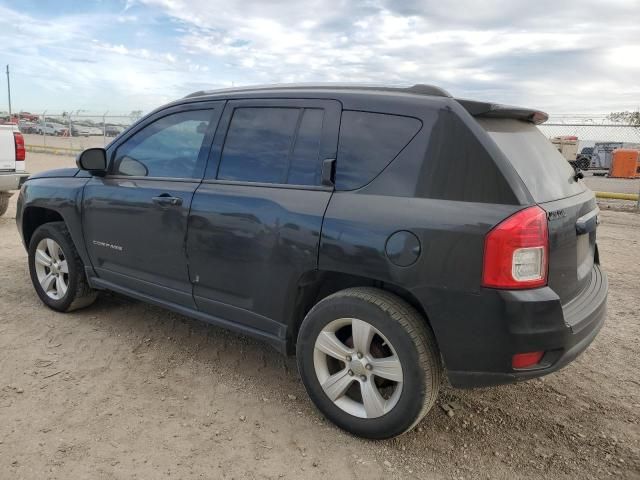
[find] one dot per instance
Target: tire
(400, 335)
(583, 163)
(4, 202)
(77, 293)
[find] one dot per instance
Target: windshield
(544, 171)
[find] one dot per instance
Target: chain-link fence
(594, 143)
(589, 134)
(71, 132)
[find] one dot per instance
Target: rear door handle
(166, 199)
(328, 172)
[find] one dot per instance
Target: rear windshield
(545, 172)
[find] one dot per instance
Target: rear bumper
(12, 181)
(528, 321)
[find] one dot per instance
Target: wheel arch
(77, 293)
(316, 285)
(33, 217)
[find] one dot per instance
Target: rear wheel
(57, 272)
(369, 362)
(583, 163)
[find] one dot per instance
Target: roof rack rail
(419, 89)
(424, 89)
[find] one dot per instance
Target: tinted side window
(258, 144)
(456, 166)
(273, 145)
(168, 147)
(305, 162)
(368, 143)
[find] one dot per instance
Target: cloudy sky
(561, 56)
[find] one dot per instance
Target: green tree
(135, 115)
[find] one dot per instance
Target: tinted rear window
(368, 143)
(257, 145)
(273, 145)
(305, 165)
(544, 171)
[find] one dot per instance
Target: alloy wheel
(52, 268)
(358, 368)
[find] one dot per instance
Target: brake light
(21, 153)
(526, 360)
(516, 251)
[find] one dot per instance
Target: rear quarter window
(545, 172)
(368, 143)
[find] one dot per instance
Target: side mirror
(94, 160)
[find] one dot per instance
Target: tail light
(516, 251)
(18, 139)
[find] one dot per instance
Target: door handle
(166, 199)
(328, 172)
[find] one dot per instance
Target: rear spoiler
(496, 110)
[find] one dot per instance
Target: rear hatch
(571, 208)
(7, 148)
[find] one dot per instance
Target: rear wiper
(578, 175)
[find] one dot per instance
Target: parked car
(45, 129)
(49, 128)
(80, 130)
(29, 117)
(27, 127)
(387, 236)
(95, 131)
(12, 163)
(113, 130)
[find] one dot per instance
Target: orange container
(625, 163)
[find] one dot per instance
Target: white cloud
(555, 55)
(560, 56)
(625, 57)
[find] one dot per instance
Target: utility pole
(9, 91)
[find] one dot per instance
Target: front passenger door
(135, 217)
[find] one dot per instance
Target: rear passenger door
(255, 221)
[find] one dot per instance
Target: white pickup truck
(48, 128)
(12, 163)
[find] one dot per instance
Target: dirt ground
(125, 390)
(606, 184)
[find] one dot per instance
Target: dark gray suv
(387, 236)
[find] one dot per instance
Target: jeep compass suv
(386, 236)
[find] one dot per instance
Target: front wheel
(57, 272)
(369, 362)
